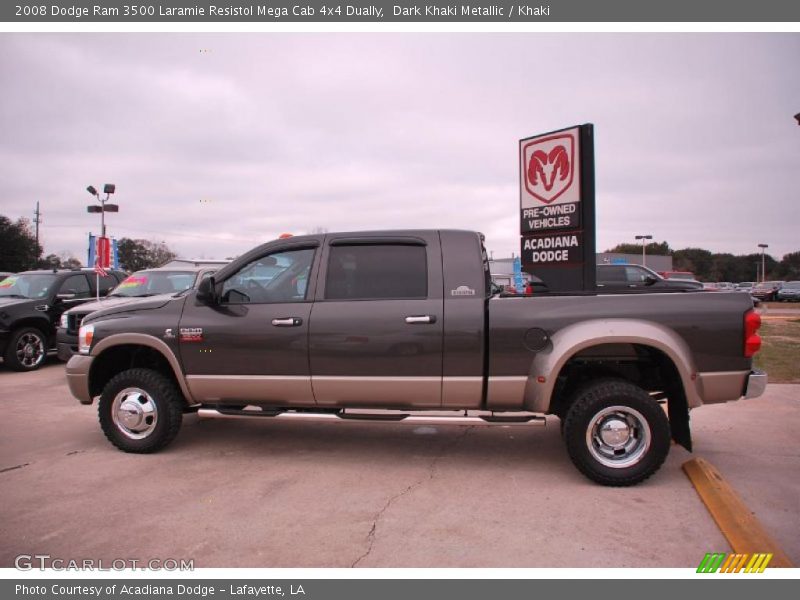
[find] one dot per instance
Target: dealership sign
(557, 208)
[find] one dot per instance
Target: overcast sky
(218, 142)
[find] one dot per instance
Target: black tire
(160, 411)
(26, 350)
(616, 434)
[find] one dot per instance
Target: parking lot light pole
(108, 189)
(644, 239)
(763, 272)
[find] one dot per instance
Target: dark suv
(31, 304)
(619, 278)
(142, 284)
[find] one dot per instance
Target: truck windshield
(150, 283)
(27, 286)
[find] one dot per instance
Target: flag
(100, 270)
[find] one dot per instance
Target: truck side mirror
(207, 292)
(650, 280)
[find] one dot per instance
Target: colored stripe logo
(719, 562)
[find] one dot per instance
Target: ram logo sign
(548, 169)
(556, 208)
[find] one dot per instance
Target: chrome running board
(417, 418)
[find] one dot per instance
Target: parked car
(142, 284)
(745, 286)
(322, 351)
(767, 290)
(725, 286)
(532, 284)
(31, 304)
(711, 286)
(789, 292)
(630, 278)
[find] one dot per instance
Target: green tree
(695, 260)
(747, 265)
(135, 255)
(723, 267)
(657, 248)
(789, 267)
(51, 261)
(18, 248)
(62, 260)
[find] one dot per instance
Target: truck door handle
(421, 319)
(288, 322)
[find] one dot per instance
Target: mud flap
(678, 412)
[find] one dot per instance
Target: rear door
(612, 277)
(377, 322)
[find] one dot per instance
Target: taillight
(752, 341)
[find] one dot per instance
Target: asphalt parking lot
(255, 493)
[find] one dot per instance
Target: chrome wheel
(30, 350)
(618, 437)
(134, 413)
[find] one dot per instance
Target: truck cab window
(635, 274)
(376, 271)
(274, 278)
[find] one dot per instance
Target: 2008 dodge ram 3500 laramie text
(403, 326)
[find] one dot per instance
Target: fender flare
(142, 339)
(33, 320)
(567, 342)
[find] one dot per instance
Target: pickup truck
(403, 326)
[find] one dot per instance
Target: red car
(767, 290)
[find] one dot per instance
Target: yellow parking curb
(743, 531)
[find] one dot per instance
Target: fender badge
(168, 334)
(462, 290)
(191, 334)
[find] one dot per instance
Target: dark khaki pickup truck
(403, 326)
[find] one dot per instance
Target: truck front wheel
(616, 434)
(140, 411)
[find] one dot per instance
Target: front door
(376, 325)
(252, 347)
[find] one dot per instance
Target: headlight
(63, 322)
(85, 335)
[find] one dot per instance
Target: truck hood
(109, 302)
(133, 304)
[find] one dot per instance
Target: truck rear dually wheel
(140, 411)
(616, 434)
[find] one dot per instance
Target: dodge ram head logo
(549, 166)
